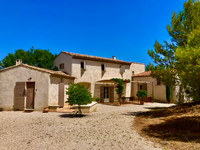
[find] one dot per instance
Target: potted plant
(96, 99)
(46, 109)
(140, 95)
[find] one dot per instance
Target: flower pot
(141, 102)
(46, 109)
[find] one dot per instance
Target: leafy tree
(78, 95)
(34, 57)
(188, 64)
(141, 94)
(120, 87)
(149, 67)
(182, 24)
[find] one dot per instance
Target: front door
(106, 94)
(30, 95)
(61, 95)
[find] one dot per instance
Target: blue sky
(124, 28)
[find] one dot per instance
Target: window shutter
(84, 67)
(112, 94)
(19, 95)
(122, 69)
(101, 94)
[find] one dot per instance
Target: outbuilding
(25, 87)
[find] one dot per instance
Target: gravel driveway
(108, 128)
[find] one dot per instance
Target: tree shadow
(169, 111)
(72, 115)
(184, 129)
(155, 108)
(131, 113)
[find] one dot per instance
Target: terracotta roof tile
(54, 73)
(143, 74)
(102, 59)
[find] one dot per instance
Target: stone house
(25, 87)
(144, 81)
(96, 73)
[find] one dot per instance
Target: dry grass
(176, 128)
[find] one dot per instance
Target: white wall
(54, 89)
(93, 72)
(66, 59)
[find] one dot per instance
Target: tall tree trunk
(181, 94)
(120, 96)
(79, 109)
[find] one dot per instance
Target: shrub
(96, 99)
(78, 95)
(141, 94)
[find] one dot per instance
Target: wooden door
(19, 95)
(111, 94)
(30, 95)
(101, 94)
(61, 95)
(144, 86)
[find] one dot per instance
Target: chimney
(113, 57)
(18, 61)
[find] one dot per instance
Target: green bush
(141, 94)
(78, 95)
(96, 99)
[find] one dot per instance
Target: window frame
(84, 65)
(63, 66)
(104, 67)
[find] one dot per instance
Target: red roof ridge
(97, 58)
(143, 74)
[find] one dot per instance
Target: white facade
(92, 76)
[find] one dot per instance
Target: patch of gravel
(108, 128)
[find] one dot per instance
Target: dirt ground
(176, 128)
(108, 128)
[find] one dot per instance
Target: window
(158, 82)
(140, 86)
(61, 66)
(106, 92)
(122, 69)
(133, 72)
(103, 67)
(83, 65)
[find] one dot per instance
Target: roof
(143, 74)
(95, 58)
(53, 73)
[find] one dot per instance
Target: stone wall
(8, 81)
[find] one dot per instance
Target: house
(96, 73)
(144, 81)
(25, 87)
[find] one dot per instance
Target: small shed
(25, 87)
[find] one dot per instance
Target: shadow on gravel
(157, 112)
(184, 129)
(155, 108)
(72, 116)
(131, 113)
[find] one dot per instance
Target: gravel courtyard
(110, 128)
